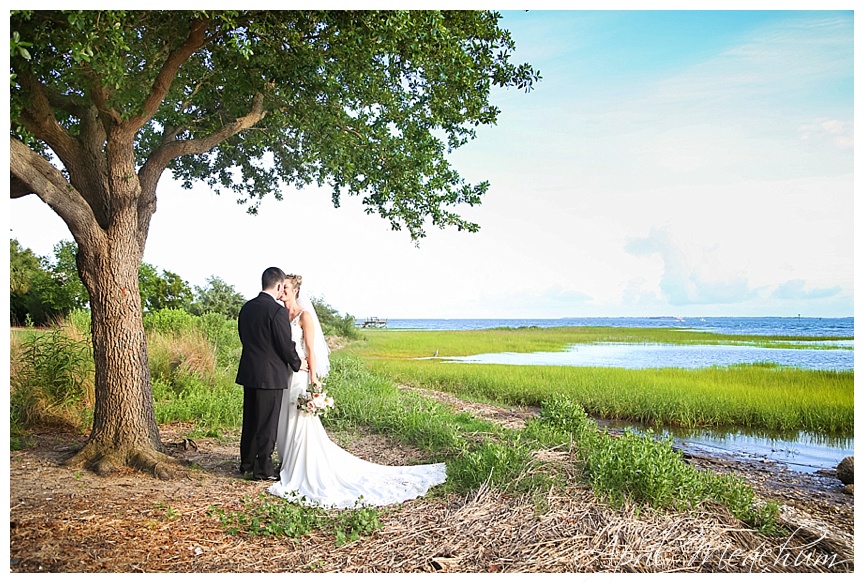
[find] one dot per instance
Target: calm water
(668, 355)
(800, 452)
(761, 326)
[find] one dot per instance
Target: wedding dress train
(316, 471)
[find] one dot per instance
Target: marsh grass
(424, 343)
(759, 396)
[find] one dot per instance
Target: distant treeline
(46, 289)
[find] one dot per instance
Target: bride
(316, 471)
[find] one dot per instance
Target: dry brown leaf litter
(68, 521)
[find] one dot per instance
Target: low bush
(644, 469)
(332, 323)
(51, 380)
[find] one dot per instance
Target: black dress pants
(258, 437)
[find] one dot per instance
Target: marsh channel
(799, 451)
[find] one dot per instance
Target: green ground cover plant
(270, 516)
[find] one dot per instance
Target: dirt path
(62, 520)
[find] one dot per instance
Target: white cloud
(794, 289)
(834, 132)
(689, 278)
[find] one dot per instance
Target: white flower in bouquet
(315, 402)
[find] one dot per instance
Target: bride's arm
(309, 340)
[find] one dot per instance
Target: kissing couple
(284, 354)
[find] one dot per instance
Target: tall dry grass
(51, 378)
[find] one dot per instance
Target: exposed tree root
(104, 461)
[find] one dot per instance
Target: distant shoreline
(755, 325)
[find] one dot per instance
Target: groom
(268, 352)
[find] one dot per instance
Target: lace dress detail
(317, 472)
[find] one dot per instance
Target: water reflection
(638, 356)
(799, 451)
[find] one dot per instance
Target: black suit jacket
(268, 351)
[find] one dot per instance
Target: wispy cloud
(759, 66)
(795, 289)
(834, 132)
(687, 280)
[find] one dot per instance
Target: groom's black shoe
(266, 478)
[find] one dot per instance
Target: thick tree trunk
(107, 203)
(124, 432)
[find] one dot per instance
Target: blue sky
(669, 163)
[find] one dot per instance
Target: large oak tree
(103, 102)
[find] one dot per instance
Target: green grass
(637, 469)
(193, 382)
(760, 396)
(422, 343)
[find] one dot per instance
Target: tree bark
(110, 249)
(107, 206)
(125, 432)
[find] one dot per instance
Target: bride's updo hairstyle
(296, 282)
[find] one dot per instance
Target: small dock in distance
(375, 322)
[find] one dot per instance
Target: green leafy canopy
(367, 102)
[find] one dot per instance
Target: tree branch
(34, 173)
(18, 188)
(159, 159)
(196, 39)
(99, 95)
(68, 103)
(40, 121)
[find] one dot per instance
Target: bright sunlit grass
(754, 396)
(421, 343)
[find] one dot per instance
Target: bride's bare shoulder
(305, 317)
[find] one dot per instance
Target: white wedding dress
(315, 471)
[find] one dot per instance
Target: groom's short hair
(271, 277)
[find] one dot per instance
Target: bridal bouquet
(315, 403)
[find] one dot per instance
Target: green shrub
(169, 321)
(643, 469)
(497, 464)
(636, 467)
(332, 323)
(51, 380)
(561, 412)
